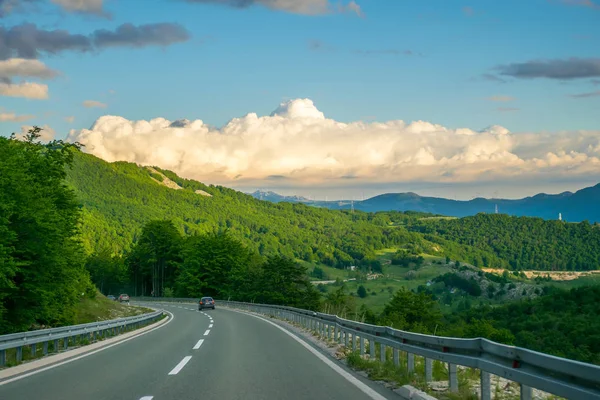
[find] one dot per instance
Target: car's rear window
(206, 298)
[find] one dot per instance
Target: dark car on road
(206, 302)
(124, 298)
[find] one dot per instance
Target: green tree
(42, 274)
(362, 292)
(154, 257)
(416, 312)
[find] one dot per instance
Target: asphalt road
(216, 354)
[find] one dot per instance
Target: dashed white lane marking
(364, 388)
(210, 326)
(207, 332)
(180, 366)
(147, 398)
(197, 346)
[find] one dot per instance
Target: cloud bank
(28, 41)
(298, 145)
(572, 68)
(305, 7)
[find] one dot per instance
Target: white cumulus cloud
(93, 104)
(29, 90)
(46, 134)
(12, 117)
(299, 145)
(25, 68)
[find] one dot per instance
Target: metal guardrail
(92, 331)
(531, 369)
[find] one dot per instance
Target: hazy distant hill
(574, 207)
(276, 198)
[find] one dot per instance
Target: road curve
(217, 354)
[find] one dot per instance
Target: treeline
(162, 263)
(42, 274)
(519, 243)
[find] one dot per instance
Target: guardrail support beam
(526, 392)
(486, 386)
(2, 358)
(428, 369)
(45, 348)
(452, 377)
(372, 349)
(396, 357)
(19, 354)
(410, 361)
(362, 345)
(33, 349)
(382, 355)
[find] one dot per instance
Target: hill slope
(119, 198)
(574, 207)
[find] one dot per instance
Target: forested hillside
(522, 242)
(119, 198)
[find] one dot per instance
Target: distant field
(555, 275)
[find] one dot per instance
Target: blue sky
(401, 60)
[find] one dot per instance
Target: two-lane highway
(214, 354)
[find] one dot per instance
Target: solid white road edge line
(207, 332)
(364, 388)
(37, 371)
(197, 346)
(180, 366)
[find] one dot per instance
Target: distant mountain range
(582, 205)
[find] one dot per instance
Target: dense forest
(521, 242)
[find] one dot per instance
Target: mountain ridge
(572, 206)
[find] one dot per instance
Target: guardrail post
(372, 349)
(19, 354)
(353, 342)
(45, 348)
(337, 335)
(382, 355)
(66, 343)
(452, 377)
(410, 361)
(33, 349)
(362, 345)
(428, 369)
(346, 341)
(56, 349)
(486, 386)
(526, 392)
(396, 357)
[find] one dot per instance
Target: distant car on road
(124, 298)
(206, 302)
(111, 297)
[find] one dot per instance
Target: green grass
(575, 283)
(101, 308)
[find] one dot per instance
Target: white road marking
(147, 398)
(364, 388)
(210, 326)
(207, 332)
(180, 366)
(197, 346)
(4, 382)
